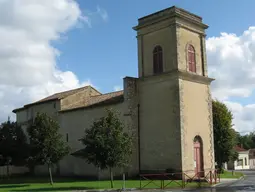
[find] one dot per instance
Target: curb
(230, 182)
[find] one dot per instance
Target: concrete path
(246, 184)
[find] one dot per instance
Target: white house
(252, 158)
(243, 160)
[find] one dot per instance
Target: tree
(233, 155)
(224, 134)
(34, 158)
(46, 143)
(106, 144)
(253, 139)
(246, 141)
(13, 145)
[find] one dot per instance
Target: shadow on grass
(26, 180)
(12, 186)
(54, 189)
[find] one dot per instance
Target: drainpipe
(139, 142)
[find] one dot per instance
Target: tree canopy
(247, 141)
(46, 143)
(224, 134)
(13, 144)
(106, 144)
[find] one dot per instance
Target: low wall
(13, 170)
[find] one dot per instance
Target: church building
(168, 106)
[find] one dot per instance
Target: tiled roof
(56, 96)
(61, 95)
(239, 149)
(107, 98)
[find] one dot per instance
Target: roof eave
(18, 109)
(119, 99)
(41, 102)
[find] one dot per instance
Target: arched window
(157, 60)
(191, 58)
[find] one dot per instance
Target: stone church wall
(82, 95)
(74, 123)
(131, 110)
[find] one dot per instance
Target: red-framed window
(191, 58)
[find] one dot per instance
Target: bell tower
(174, 93)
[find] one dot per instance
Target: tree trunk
(51, 180)
(220, 167)
(124, 180)
(32, 170)
(111, 175)
(58, 169)
(8, 171)
(99, 177)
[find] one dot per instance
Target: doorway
(198, 157)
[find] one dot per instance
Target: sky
(55, 45)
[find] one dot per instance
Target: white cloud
(28, 69)
(231, 60)
(244, 121)
(117, 88)
(88, 82)
(102, 13)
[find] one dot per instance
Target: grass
(66, 184)
(85, 185)
(229, 174)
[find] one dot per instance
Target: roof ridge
(96, 101)
(95, 89)
(59, 95)
(70, 90)
(107, 93)
(80, 88)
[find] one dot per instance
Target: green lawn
(71, 186)
(229, 174)
(42, 184)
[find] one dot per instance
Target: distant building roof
(239, 149)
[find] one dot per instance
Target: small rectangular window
(240, 162)
(54, 105)
(67, 137)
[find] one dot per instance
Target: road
(246, 184)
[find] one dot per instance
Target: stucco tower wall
(196, 120)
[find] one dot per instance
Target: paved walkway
(246, 184)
